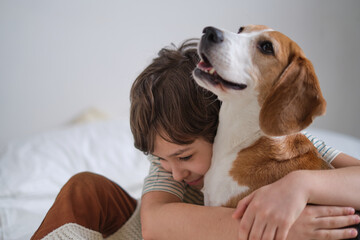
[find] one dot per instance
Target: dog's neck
(238, 126)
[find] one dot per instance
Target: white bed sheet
(33, 170)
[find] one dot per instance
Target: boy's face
(187, 163)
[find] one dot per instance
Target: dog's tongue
(204, 65)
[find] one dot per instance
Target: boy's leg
(89, 200)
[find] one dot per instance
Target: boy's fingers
(245, 226)
(337, 221)
(336, 234)
(257, 229)
(269, 232)
(241, 207)
(327, 211)
(281, 234)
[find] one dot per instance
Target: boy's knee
(85, 181)
(82, 177)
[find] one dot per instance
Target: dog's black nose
(213, 35)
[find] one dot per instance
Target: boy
(174, 121)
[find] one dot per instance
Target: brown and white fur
(269, 92)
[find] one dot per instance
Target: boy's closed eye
(185, 158)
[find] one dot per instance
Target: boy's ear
(294, 101)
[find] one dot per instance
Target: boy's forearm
(186, 221)
(340, 187)
(193, 222)
(344, 160)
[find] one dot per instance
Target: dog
(269, 93)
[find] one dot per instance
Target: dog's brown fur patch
(269, 159)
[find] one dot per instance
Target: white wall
(58, 58)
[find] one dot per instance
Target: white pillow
(42, 164)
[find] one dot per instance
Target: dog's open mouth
(207, 71)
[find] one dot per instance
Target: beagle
(269, 92)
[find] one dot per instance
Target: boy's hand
(269, 212)
(324, 222)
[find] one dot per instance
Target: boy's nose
(180, 174)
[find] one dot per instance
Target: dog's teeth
(212, 71)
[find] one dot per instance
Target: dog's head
(260, 62)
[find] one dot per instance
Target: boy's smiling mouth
(195, 182)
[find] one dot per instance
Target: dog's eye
(241, 29)
(266, 47)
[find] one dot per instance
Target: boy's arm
(164, 215)
(321, 185)
(344, 160)
(334, 187)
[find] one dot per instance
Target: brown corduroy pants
(91, 201)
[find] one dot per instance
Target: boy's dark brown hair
(166, 100)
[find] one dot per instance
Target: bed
(32, 170)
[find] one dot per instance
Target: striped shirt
(161, 180)
(327, 153)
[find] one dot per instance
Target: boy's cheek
(165, 166)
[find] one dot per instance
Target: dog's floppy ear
(294, 101)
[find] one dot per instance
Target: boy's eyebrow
(179, 152)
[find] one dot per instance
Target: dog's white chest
(219, 186)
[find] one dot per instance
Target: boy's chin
(198, 187)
